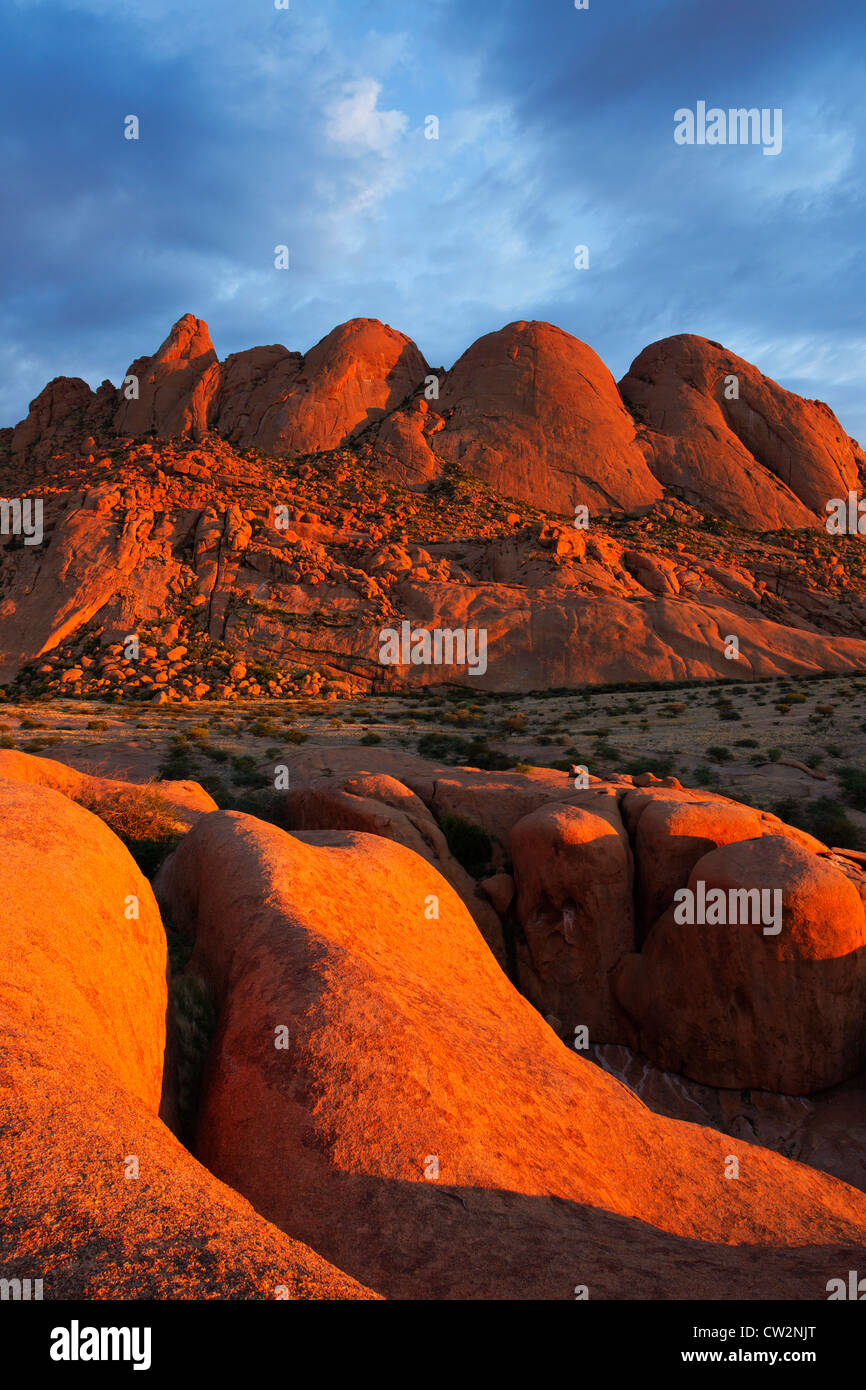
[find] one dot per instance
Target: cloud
(306, 127)
(354, 119)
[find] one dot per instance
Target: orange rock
(729, 1005)
(573, 866)
(101, 1200)
(384, 1093)
(765, 457)
(536, 414)
(177, 387)
(353, 376)
(381, 805)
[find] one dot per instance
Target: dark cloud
(306, 127)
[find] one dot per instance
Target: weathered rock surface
(729, 1004)
(441, 1141)
(535, 413)
(672, 830)
(177, 387)
(763, 457)
(186, 800)
(316, 527)
(99, 1199)
(824, 1130)
(575, 904)
(381, 805)
(302, 405)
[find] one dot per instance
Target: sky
(306, 127)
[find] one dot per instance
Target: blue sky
(305, 127)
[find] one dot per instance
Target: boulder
(673, 829)
(573, 867)
(381, 805)
(730, 1005)
(184, 801)
(349, 380)
(101, 1201)
(763, 457)
(54, 414)
(378, 1087)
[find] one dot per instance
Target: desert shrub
(660, 767)
(705, 775)
(719, 753)
(140, 817)
(98, 725)
(469, 844)
(853, 783)
(216, 755)
(606, 753)
(370, 738)
(461, 717)
(729, 714)
(774, 754)
(824, 818)
(515, 723)
(261, 802)
(245, 772)
(294, 736)
(450, 748)
(264, 728)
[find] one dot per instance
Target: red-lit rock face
(730, 439)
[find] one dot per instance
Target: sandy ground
(752, 742)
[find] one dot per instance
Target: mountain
(278, 511)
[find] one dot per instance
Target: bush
(245, 771)
(719, 753)
(853, 783)
(370, 738)
(450, 748)
(660, 767)
(469, 844)
(705, 776)
(264, 728)
(140, 817)
(515, 723)
(824, 818)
